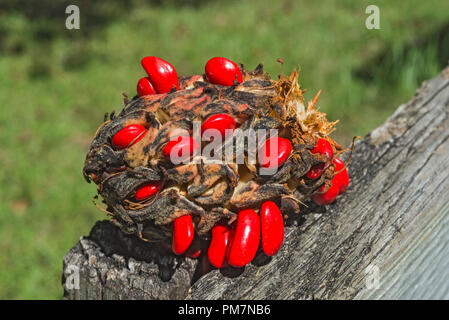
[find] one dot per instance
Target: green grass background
(56, 84)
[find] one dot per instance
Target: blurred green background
(56, 84)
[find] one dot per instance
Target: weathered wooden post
(387, 237)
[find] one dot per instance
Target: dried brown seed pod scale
(211, 192)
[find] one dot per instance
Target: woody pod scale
(227, 205)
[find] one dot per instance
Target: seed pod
(222, 71)
(128, 136)
(145, 87)
(272, 228)
(182, 234)
(162, 74)
(146, 191)
(209, 191)
(220, 122)
(322, 147)
(244, 238)
(271, 159)
(218, 246)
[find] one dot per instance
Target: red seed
(315, 171)
(340, 182)
(128, 136)
(276, 157)
(194, 254)
(244, 238)
(145, 87)
(328, 197)
(147, 191)
(322, 147)
(220, 122)
(161, 73)
(218, 246)
(182, 234)
(183, 147)
(94, 177)
(194, 250)
(272, 228)
(342, 178)
(222, 71)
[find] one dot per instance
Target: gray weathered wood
(391, 225)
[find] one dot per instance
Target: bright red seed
(272, 228)
(328, 197)
(146, 191)
(182, 147)
(220, 122)
(218, 246)
(244, 238)
(322, 147)
(161, 73)
(315, 171)
(182, 234)
(145, 87)
(128, 136)
(342, 177)
(222, 71)
(339, 184)
(273, 158)
(194, 250)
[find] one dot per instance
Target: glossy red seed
(147, 191)
(342, 178)
(161, 73)
(315, 171)
(182, 147)
(194, 250)
(220, 122)
(340, 182)
(222, 71)
(328, 197)
(244, 238)
(145, 87)
(128, 136)
(276, 157)
(182, 234)
(272, 228)
(322, 147)
(218, 246)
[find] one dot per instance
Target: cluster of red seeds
(234, 245)
(237, 246)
